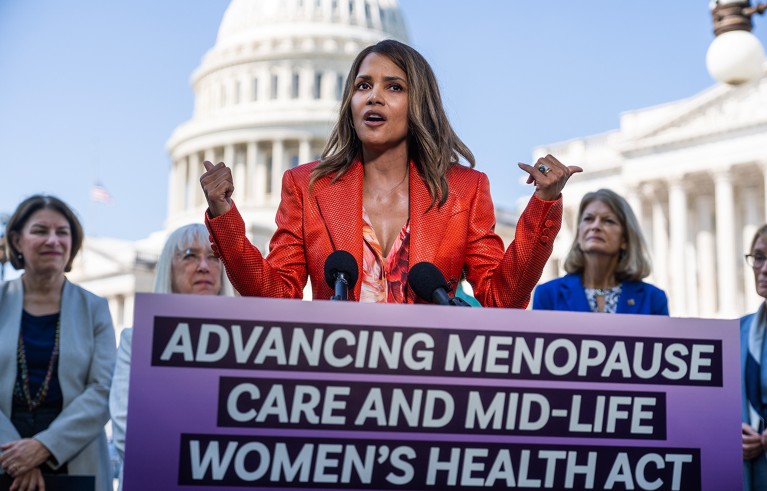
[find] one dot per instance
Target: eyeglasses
(755, 260)
(194, 256)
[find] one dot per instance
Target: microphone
(341, 273)
(428, 282)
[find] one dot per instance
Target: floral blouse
(384, 279)
(611, 298)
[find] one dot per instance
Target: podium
(285, 394)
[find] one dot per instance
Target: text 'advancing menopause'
(444, 352)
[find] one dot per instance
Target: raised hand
(549, 175)
(218, 186)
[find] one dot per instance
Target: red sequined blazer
(457, 237)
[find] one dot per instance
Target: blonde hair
(634, 263)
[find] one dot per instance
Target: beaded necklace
(22, 387)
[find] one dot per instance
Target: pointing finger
(208, 165)
(529, 169)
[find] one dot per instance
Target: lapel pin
(631, 301)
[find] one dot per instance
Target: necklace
(389, 192)
(22, 389)
(602, 291)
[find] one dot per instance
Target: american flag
(100, 194)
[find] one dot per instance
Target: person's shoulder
(460, 172)
(555, 283)
(87, 295)
(462, 179)
(654, 290)
(745, 323)
(546, 293)
(302, 172)
(746, 319)
(11, 286)
(79, 290)
(126, 339)
(126, 335)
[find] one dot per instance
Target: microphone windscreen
(424, 278)
(341, 262)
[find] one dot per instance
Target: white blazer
(86, 361)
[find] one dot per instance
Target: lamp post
(735, 56)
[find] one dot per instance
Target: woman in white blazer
(57, 353)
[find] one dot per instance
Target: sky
(90, 91)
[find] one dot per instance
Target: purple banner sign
(231, 393)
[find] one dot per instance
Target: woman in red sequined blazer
(391, 164)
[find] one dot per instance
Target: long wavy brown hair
(432, 143)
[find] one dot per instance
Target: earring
(20, 256)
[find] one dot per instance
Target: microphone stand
(342, 287)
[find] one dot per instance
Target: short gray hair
(179, 240)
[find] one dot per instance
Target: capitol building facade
(695, 172)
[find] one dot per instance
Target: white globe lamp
(735, 56)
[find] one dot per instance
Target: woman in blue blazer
(606, 264)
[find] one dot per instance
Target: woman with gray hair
(187, 265)
(606, 264)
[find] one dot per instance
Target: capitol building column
(751, 223)
(706, 262)
(677, 209)
(304, 151)
(192, 180)
(278, 168)
(253, 195)
(634, 199)
(238, 167)
(199, 196)
(660, 239)
(177, 184)
(725, 239)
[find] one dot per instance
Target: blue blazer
(567, 293)
(754, 471)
